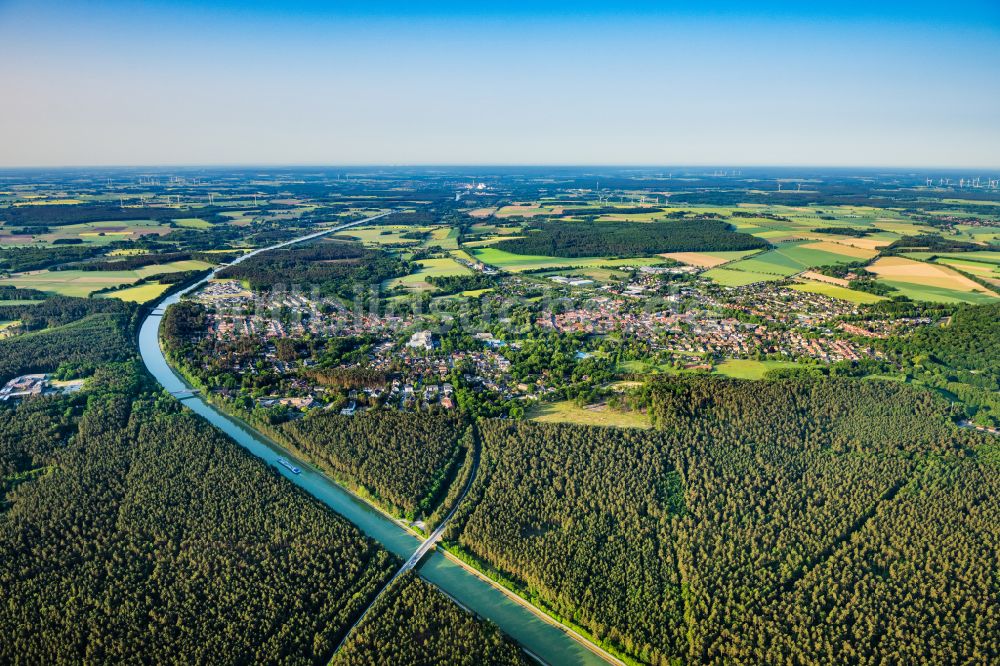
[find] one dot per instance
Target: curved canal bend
(548, 642)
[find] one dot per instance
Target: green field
(919, 292)
(789, 259)
(192, 223)
(83, 283)
(526, 262)
(731, 278)
(835, 291)
(441, 267)
(568, 412)
(739, 368)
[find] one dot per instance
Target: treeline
(416, 624)
(10, 293)
(403, 459)
(59, 310)
(132, 262)
(18, 259)
(853, 232)
(629, 239)
(335, 268)
(455, 284)
(139, 532)
(64, 214)
(748, 525)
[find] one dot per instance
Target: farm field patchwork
(902, 269)
(83, 283)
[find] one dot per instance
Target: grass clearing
(741, 368)
(595, 415)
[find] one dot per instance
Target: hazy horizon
(893, 86)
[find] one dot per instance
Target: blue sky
(721, 83)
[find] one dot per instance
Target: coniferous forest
(132, 527)
(806, 522)
(418, 625)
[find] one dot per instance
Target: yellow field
(698, 259)
(141, 294)
(835, 291)
(482, 212)
(900, 269)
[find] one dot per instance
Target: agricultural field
(522, 210)
(708, 259)
(91, 233)
(595, 415)
(930, 282)
(517, 263)
(83, 283)
(389, 234)
(791, 258)
(192, 223)
(837, 291)
(739, 278)
(142, 293)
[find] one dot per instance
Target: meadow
(568, 411)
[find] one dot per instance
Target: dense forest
(59, 310)
(629, 239)
(960, 358)
(402, 458)
(97, 338)
(416, 625)
(709, 539)
(334, 267)
(133, 528)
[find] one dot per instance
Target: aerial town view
(292, 374)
